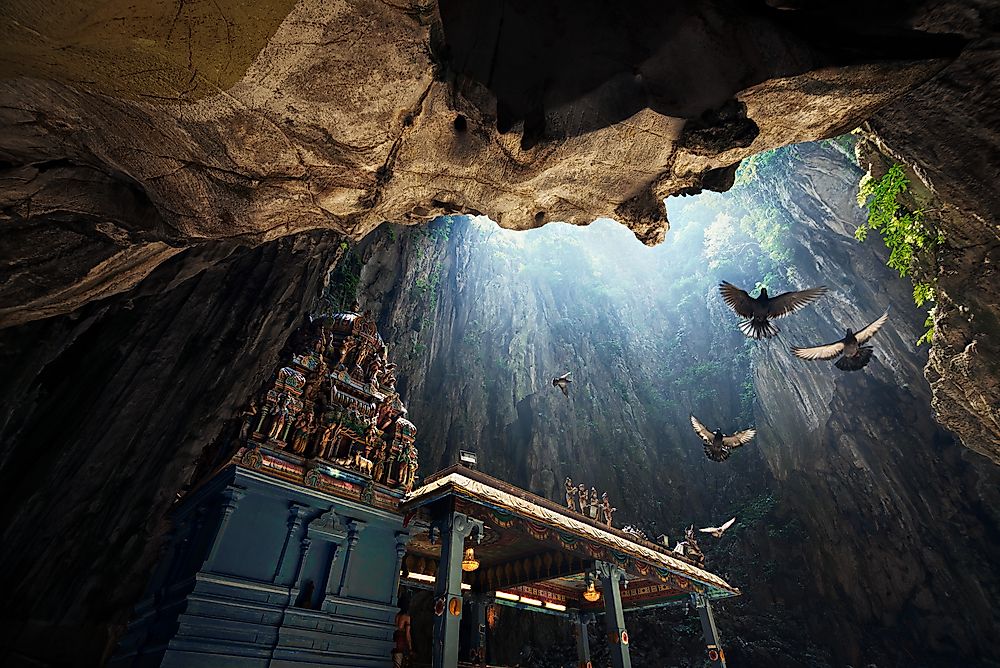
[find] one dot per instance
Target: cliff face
(865, 531)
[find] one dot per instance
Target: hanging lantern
(591, 594)
(469, 562)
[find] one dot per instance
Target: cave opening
(477, 311)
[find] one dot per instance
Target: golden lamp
(469, 562)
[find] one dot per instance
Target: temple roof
(542, 528)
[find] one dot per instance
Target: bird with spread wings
(853, 355)
(718, 445)
(758, 311)
(562, 382)
(718, 531)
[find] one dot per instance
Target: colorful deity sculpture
(300, 432)
(335, 400)
(249, 417)
(408, 468)
(607, 510)
(691, 549)
(279, 419)
(570, 493)
(594, 506)
(381, 462)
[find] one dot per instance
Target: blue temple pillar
(716, 657)
(583, 619)
(402, 540)
(231, 497)
(284, 573)
(354, 528)
(454, 528)
(614, 617)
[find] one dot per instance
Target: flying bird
(718, 531)
(562, 382)
(853, 355)
(718, 445)
(759, 310)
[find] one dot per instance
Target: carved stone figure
(320, 345)
(408, 467)
(373, 435)
(362, 463)
(691, 549)
(328, 441)
(315, 382)
(280, 418)
(606, 508)
(363, 352)
(581, 498)
(346, 346)
(593, 508)
(249, 417)
(570, 493)
(301, 432)
(389, 377)
(378, 364)
(381, 457)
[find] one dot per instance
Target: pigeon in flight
(758, 310)
(718, 445)
(853, 355)
(562, 382)
(718, 531)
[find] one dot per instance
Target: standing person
(401, 636)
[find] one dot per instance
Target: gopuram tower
(288, 550)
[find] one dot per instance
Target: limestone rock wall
(956, 160)
(104, 415)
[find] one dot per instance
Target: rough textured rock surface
(104, 414)
(229, 123)
(867, 533)
(948, 132)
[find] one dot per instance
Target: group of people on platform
(578, 499)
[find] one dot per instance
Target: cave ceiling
(130, 131)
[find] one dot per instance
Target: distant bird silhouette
(718, 531)
(562, 382)
(718, 445)
(758, 310)
(853, 355)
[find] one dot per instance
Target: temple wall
(259, 572)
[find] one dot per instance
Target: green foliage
(928, 334)
(756, 166)
(754, 512)
(844, 144)
(922, 293)
(428, 286)
(342, 289)
(907, 234)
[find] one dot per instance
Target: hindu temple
(295, 544)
